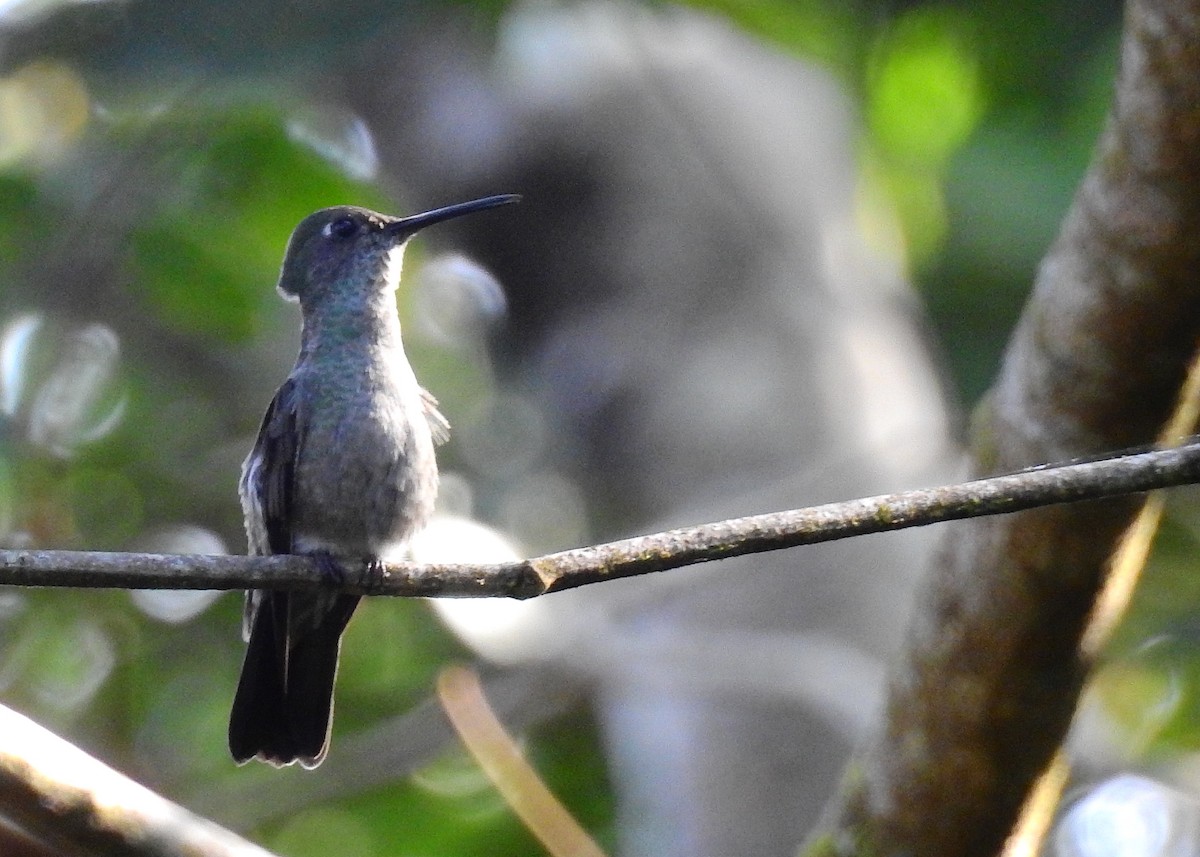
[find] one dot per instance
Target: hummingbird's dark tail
(284, 702)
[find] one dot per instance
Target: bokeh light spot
(341, 138)
(72, 664)
(80, 402)
(503, 436)
(458, 777)
(175, 606)
(44, 108)
(15, 344)
(325, 831)
(924, 94)
(457, 301)
(545, 511)
(1127, 816)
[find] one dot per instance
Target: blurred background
(768, 256)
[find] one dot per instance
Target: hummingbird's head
(348, 248)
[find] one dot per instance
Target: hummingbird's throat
(392, 267)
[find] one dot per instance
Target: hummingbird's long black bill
(407, 226)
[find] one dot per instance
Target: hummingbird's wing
(266, 490)
(268, 476)
(284, 701)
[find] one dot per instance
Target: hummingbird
(343, 468)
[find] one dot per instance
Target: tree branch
(1042, 486)
(60, 796)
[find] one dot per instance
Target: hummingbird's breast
(366, 475)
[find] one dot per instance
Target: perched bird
(343, 468)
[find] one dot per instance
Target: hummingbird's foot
(374, 574)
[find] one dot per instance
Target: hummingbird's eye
(343, 227)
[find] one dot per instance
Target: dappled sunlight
(545, 510)
(458, 302)
(328, 830)
(60, 667)
(1135, 701)
(15, 343)
(79, 401)
(62, 392)
(73, 665)
(500, 629)
(44, 110)
(174, 606)
(503, 436)
(1129, 816)
(709, 303)
(455, 776)
(924, 99)
(925, 94)
(338, 136)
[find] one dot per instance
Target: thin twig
(1067, 483)
(498, 754)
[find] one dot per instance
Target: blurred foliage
(192, 201)
(202, 259)
(1150, 680)
(977, 121)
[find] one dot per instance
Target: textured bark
(993, 670)
(529, 578)
(61, 798)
